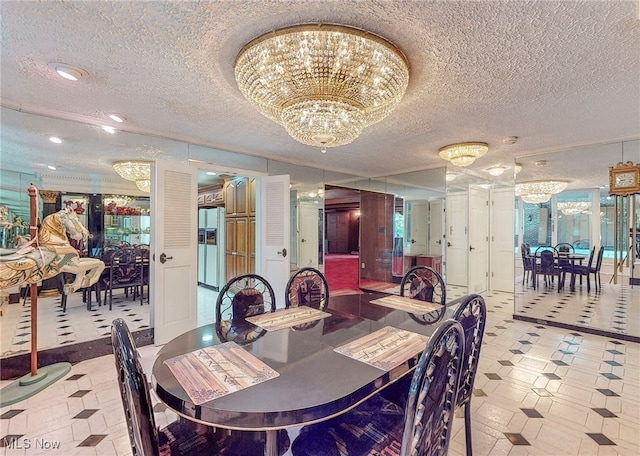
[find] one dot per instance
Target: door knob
(413, 241)
(164, 258)
(471, 248)
(439, 242)
(283, 252)
(448, 244)
(303, 240)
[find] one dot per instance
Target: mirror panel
(583, 215)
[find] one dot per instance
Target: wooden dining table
(298, 374)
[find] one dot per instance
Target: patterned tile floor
(613, 308)
(540, 390)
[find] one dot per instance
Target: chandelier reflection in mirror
(133, 170)
(144, 185)
(536, 192)
(574, 207)
(324, 83)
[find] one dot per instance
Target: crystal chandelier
(536, 192)
(144, 185)
(463, 154)
(574, 207)
(324, 83)
(133, 170)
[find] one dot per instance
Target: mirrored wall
(581, 219)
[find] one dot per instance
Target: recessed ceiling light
(517, 167)
(211, 173)
(51, 167)
(55, 139)
(510, 140)
(68, 72)
(108, 129)
(117, 118)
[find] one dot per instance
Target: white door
(456, 237)
(436, 227)
(419, 216)
(502, 236)
(479, 240)
(174, 265)
(274, 233)
(308, 216)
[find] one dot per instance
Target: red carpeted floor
(341, 271)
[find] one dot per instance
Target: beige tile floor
(540, 390)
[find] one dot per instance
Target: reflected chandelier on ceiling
(144, 185)
(536, 192)
(133, 170)
(324, 83)
(463, 154)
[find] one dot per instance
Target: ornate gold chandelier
(324, 83)
(463, 154)
(536, 192)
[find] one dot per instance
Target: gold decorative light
(324, 83)
(536, 192)
(133, 170)
(144, 185)
(463, 154)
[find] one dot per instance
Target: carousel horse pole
(38, 379)
(33, 230)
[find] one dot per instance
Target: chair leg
(467, 427)
(588, 283)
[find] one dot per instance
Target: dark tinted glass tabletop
(314, 381)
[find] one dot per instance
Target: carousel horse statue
(52, 255)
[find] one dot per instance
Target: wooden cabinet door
(236, 246)
(337, 232)
(252, 196)
(241, 198)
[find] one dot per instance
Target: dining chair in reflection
(590, 269)
(307, 287)
(546, 265)
(472, 315)
(424, 283)
(421, 426)
(527, 262)
(245, 296)
(180, 438)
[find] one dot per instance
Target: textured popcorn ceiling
(557, 74)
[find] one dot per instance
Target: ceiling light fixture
(144, 185)
(324, 83)
(109, 129)
(536, 192)
(517, 168)
(51, 167)
(55, 140)
(133, 170)
(496, 171)
(450, 177)
(463, 154)
(68, 72)
(117, 118)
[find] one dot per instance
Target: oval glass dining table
(314, 382)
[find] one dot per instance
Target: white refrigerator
(211, 264)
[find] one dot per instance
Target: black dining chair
(546, 265)
(472, 315)
(587, 271)
(244, 296)
(182, 437)
(307, 287)
(527, 262)
(424, 283)
(379, 426)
